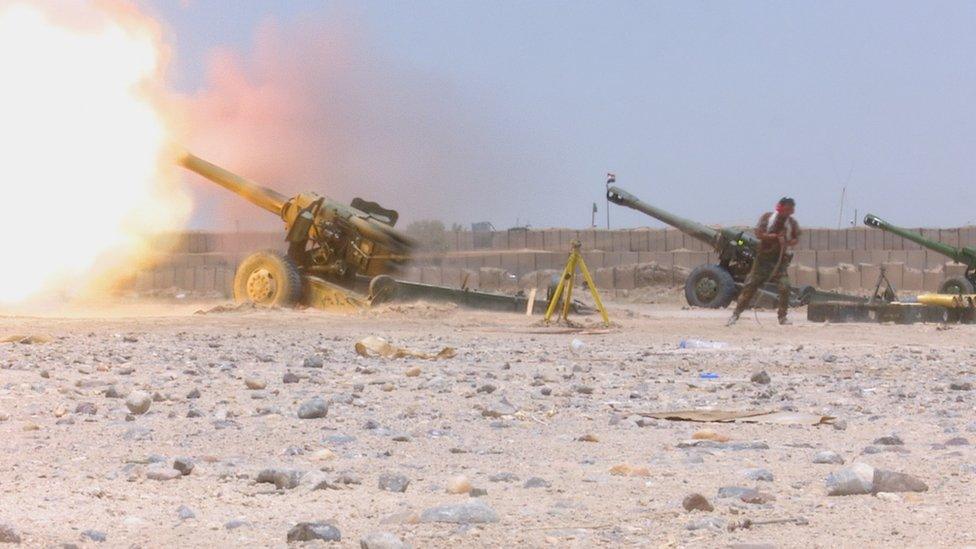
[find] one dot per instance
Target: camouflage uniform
(762, 271)
(767, 261)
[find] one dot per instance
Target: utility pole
(611, 178)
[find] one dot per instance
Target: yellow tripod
(565, 286)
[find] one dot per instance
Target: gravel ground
(521, 439)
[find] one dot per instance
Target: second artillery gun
(713, 285)
(967, 256)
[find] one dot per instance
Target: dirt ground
(540, 427)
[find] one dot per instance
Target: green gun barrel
(964, 255)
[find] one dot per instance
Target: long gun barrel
(258, 195)
(963, 255)
(696, 230)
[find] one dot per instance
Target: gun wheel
(956, 285)
(710, 286)
(268, 278)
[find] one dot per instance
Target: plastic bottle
(577, 345)
(701, 344)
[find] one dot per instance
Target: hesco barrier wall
(847, 259)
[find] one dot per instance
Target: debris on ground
(377, 346)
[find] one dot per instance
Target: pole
(611, 178)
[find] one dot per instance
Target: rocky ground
(165, 428)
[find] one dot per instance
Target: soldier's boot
(784, 304)
(733, 319)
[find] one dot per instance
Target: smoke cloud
(313, 107)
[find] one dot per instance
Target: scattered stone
(234, 524)
(138, 402)
(961, 386)
(473, 511)
(413, 371)
(289, 377)
(114, 392)
(696, 502)
(758, 474)
(185, 513)
(840, 425)
(892, 481)
(853, 480)
(183, 465)
(828, 456)
(314, 408)
(885, 449)
(283, 479)
(459, 485)
(194, 393)
(761, 378)
(487, 388)
(310, 531)
(313, 362)
(159, 471)
(503, 477)
(536, 482)
(957, 441)
(889, 440)
(392, 482)
(382, 540)
(588, 437)
(87, 408)
(255, 384)
(93, 535)
(348, 478)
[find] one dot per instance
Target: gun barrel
(961, 255)
(694, 229)
(258, 195)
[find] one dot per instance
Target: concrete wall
(832, 259)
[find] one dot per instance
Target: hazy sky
(711, 109)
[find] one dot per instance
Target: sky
(712, 110)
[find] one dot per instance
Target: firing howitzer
(967, 256)
(331, 246)
(713, 285)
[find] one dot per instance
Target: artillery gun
(338, 256)
(330, 245)
(967, 256)
(713, 285)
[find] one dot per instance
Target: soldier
(777, 232)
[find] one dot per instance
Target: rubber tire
(726, 287)
(284, 271)
(956, 282)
